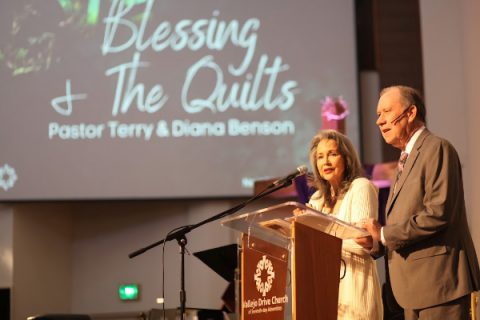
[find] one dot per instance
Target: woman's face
(330, 162)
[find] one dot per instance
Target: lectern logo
(264, 266)
(8, 177)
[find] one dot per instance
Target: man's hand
(373, 227)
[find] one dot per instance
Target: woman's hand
(374, 228)
(298, 212)
(366, 242)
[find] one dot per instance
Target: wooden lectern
(279, 248)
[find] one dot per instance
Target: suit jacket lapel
(412, 158)
(390, 196)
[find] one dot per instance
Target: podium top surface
(273, 223)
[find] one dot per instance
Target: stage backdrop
(168, 98)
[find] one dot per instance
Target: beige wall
(42, 254)
(105, 233)
(451, 47)
(471, 48)
(70, 258)
(6, 246)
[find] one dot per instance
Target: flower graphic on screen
(264, 266)
(8, 177)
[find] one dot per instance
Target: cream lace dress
(360, 294)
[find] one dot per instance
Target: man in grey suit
(431, 257)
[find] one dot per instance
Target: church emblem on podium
(264, 275)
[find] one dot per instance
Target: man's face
(394, 119)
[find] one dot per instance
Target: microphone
(300, 171)
(400, 116)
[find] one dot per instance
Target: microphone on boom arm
(300, 171)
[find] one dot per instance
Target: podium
(290, 264)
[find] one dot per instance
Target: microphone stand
(179, 235)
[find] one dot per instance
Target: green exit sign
(128, 292)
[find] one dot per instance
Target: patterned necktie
(401, 162)
(400, 166)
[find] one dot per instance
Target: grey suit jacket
(431, 255)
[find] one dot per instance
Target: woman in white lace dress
(345, 194)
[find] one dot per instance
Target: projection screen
(138, 99)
